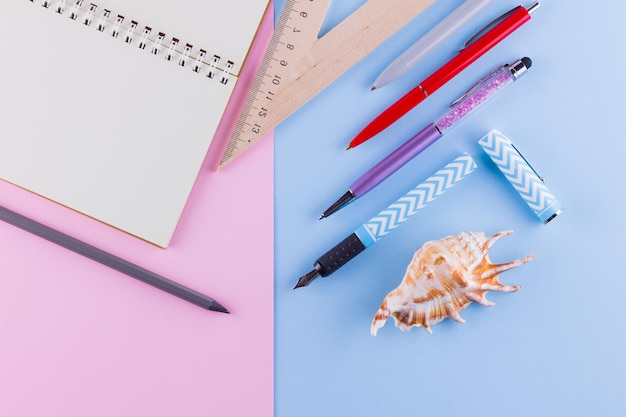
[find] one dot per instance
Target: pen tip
(307, 279)
(337, 205)
(348, 147)
(373, 88)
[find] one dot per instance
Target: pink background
(79, 339)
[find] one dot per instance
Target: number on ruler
(295, 31)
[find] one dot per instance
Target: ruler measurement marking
(272, 72)
(254, 111)
(296, 20)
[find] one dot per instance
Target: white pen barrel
(427, 43)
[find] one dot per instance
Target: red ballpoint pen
(474, 48)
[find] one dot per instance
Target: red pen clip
(494, 22)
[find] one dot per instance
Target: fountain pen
(390, 218)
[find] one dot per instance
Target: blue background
(556, 347)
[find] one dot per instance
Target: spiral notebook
(109, 108)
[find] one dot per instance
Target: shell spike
(379, 320)
(426, 322)
(500, 287)
(479, 297)
(493, 239)
(454, 314)
(492, 270)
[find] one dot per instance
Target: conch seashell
(443, 278)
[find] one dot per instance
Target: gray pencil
(110, 260)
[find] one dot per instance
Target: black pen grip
(339, 255)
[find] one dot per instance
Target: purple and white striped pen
(485, 88)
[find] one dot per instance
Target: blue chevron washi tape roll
(417, 198)
(521, 175)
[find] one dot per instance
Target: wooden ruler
(297, 65)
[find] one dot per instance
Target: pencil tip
(219, 308)
(373, 88)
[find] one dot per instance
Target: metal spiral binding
(114, 24)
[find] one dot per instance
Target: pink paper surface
(79, 339)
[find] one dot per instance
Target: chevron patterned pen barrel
(521, 175)
(417, 198)
(390, 218)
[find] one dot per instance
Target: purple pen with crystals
(488, 86)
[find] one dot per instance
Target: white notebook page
(104, 127)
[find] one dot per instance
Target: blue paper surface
(554, 348)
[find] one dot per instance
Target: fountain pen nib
(307, 279)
